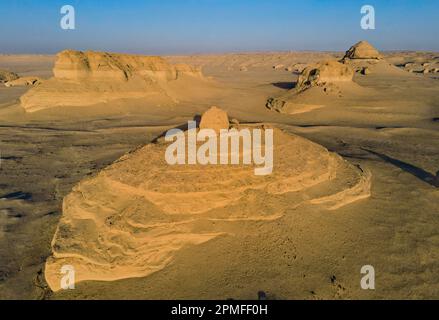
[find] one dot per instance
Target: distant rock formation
(330, 77)
(6, 76)
(132, 218)
(103, 66)
(87, 78)
(324, 72)
(362, 50)
(364, 59)
(328, 83)
(24, 81)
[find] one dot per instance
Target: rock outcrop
(132, 218)
(24, 81)
(329, 82)
(322, 73)
(102, 66)
(299, 67)
(214, 118)
(6, 76)
(88, 78)
(327, 78)
(364, 59)
(362, 50)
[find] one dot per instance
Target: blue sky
(203, 26)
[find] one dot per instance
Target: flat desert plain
(355, 179)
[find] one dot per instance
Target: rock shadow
(285, 85)
(419, 173)
(183, 127)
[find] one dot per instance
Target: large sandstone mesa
(88, 78)
(102, 66)
(132, 218)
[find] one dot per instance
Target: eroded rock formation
(87, 78)
(327, 78)
(324, 72)
(24, 81)
(103, 66)
(333, 83)
(6, 76)
(215, 119)
(134, 216)
(362, 50)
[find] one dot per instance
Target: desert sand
(355, 180)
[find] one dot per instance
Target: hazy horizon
(215, 26)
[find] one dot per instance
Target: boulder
(278, 66)
(214, 118)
